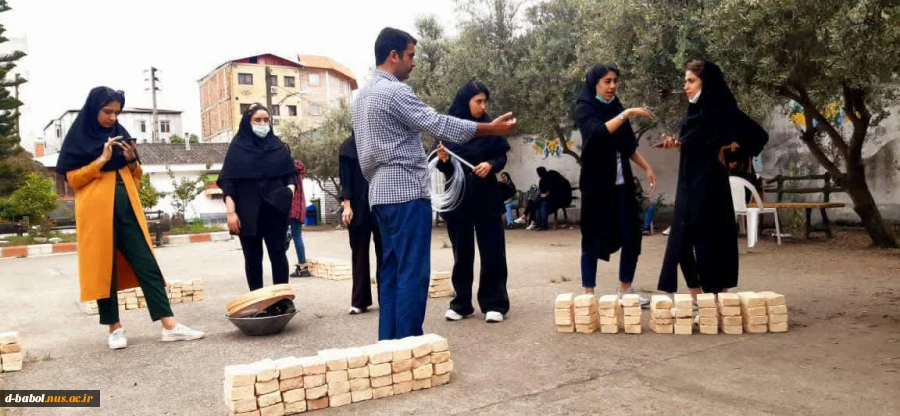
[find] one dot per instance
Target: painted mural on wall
(832, 112)
(547, 148)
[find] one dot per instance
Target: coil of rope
(447, 194)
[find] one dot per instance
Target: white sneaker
(451, 315)
(493, 317)
(519, 220)
(181, 333)
(117, 340)
(645, 303)
(531, 227)
(666, 232)
(356, 311)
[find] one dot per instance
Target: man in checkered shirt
(388, 121)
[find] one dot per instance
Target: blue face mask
(261, 131)
(604, 100)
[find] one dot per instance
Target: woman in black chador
(479, 214)
(703, 239)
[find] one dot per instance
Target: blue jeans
(648, 216)
(627, 260)
(510, 206)
(405, 272)
(297, 236)
(542, 213)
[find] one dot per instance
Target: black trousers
(492, 294)
(360, 239)
(129, 239)
(272, 228)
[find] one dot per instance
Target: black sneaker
(511, 226)
(301, 272)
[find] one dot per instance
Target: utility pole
(268, 88)
(153, 89)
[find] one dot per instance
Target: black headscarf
(85, 140)
(483, 148)
(348, 148)
(252, 157)
(588, 106)
(717, 108)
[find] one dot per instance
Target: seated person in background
(647, 206)
(510, 198)
(556, 193)
(740, 165)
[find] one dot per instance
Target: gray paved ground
(841, 356)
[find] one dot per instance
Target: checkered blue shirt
(388, 120)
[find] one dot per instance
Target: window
(292, 110)
(315, 109)
(254, 60)
(289, 82)
(142, 126)
(245, 79)
(273, 80)
(165, 126)
(314, 79)
(276, 110)
(244, 108)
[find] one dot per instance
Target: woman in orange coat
(99, 160)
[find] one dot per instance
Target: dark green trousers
(129, 239)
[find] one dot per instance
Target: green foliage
(195, 226)
(15, 162)
(319, 148)
(176, 139)
(186, 190)
(148, 193)
(36, 198)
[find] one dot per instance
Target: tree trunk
(865, 207)
(564, 142)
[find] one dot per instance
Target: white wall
(203, 206)
(55, 133)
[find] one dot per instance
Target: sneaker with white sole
(181, 333)
(531, 227)
(645, 303)
(117, 340)
(452, 315)
(356, 311)
(493, 317)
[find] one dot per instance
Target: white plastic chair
(738, 197)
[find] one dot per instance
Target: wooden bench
(826, 190)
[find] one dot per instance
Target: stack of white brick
(684, 314)
(631, 307)
(11, 353)
(610, 311)
(661, 319)
(777, 308)
(730, 321)
(587, 320)
(337, 377)
(564, 312)
(709, 313)
(176, 291)
(441, 285)
(754, 312)
(330, 268)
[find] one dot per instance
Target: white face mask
(261, 131)
(696, 97)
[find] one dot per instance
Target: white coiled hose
(447, 194)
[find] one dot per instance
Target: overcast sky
(75, 45)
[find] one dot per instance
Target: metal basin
(267, 325)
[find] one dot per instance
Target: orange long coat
(95, 193)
